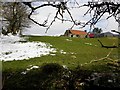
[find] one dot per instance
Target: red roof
(78, 32)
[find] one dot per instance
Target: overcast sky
(58, 28)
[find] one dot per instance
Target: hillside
(70, 52)
(77, 64)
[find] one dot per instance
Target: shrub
(53, 76)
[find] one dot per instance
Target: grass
(77, 52)
(51, 75)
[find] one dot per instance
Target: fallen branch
(107, 46)
(106, 57)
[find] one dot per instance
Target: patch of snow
(82, 84)
(28, 69)
(88, 43)
(34, 67)
(110, 81)
(62, 52)
(12, 48)
(68, 40)
(24, 72)
(72, 53)
(52, 54)
(65, 67)
(10, 39)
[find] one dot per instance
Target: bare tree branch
(29, 16)
(61, 7)
(100, 9)
(96, 10)
(52, 21)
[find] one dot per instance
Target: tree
(97, 30)
(15, 17)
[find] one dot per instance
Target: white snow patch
(62, 52)
(32, 67)
(65, 67)
(52, 54)
(12, 49)
(88, 43)
(24, 72)
(110, 81)
(68, 40)
(72, 53)
(28, 69)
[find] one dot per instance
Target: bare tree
(96, 9)
(15, 17)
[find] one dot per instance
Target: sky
(59, 28)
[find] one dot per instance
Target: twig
(52, 21)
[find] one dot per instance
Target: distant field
(70, 52)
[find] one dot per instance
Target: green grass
(82, 53)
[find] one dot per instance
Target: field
(77, 64)
(71, 52)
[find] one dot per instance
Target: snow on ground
(30, 68)
(90, 44)
(16, 48)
